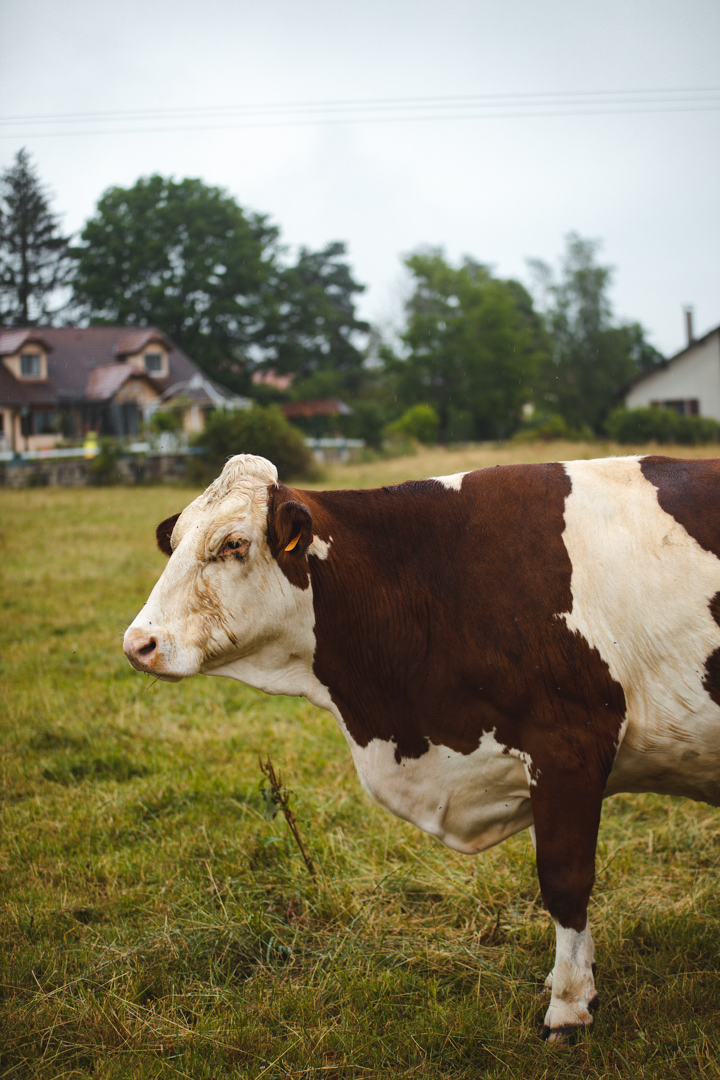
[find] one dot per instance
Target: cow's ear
(289, 526)
(290, 529)
(163, 534)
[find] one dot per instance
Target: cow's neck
(376, 598)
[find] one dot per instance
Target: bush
(167, 420)
(658, 425)
(419, 422)
(103, 468)
(696, 430)
(258, 430)
(551, 428)
(366, 422)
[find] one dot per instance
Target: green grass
(156, 924)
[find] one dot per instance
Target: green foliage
(186, 257)
(474, 345)
(311, 327)
(179, 255)
(591, 357)
(103, 467)
(167, 420)
(638, 426)
(34, 255)
(419, 422)
(549, 427)
(258, 430)
(367, 421)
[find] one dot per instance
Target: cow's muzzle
(145, 654)
(141, 649)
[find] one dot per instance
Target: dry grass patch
(442, 461)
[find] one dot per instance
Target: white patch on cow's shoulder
(319, 548)
(641, 587)
(452, 482)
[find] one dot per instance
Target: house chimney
(688, 324)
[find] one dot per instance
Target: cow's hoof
(562, 1037)
(564, 1020)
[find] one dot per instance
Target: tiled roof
(15, 393)
(134, 341)
(74, 354)
(105, 381)
(203, 391)
(11, 341)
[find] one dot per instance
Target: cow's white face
(223, 605)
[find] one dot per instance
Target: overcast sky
(501, 189)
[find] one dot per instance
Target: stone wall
(77, 472)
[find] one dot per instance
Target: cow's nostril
(148, 648)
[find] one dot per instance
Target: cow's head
(234, 598)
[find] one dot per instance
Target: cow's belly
(671, 747)
(469, 801)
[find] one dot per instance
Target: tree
(34, 255)
(185, 257)
(592, 358)
(474, 344)
(313, 330)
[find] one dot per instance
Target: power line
(405, 118)
(566, 97)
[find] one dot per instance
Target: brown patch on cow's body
(437, 618)
(690, 492)
(711, 680)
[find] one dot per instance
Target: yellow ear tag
(293, 543)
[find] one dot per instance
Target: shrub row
(654, 424)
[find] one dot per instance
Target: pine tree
(35, 258)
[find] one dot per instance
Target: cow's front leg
(566, 827)
(589, 944)
(590, 947)
(572, 984)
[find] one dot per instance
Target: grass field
(155, 923)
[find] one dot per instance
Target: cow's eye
(234, 547)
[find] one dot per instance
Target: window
(153, 362)
(46, 422)
(30, 366)
(682, 406)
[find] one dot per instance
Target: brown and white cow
(502, 648)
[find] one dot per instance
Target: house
(196, 398)
(60, 382)
(688, 382)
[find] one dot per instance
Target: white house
(688, 382)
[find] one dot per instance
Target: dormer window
(30, 366)
(153, 363)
